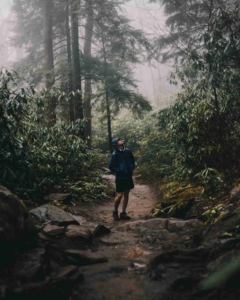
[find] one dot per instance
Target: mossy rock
(231, 222)
(15, 222)
(177, 201)
(227, 224)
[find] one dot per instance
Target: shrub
(35, 160)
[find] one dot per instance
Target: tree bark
(76, 68)
(69, 56)
(109, 123)
(49, 60)
(88, 83)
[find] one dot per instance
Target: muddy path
(142, 260)
(141, 200)
(122, 277)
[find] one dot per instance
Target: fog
(152, 77)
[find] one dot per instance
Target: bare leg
(117, 201)
(125, 201)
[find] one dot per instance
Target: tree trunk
(109, 123)
(48, 59)
(69, 56)
(76, 69)
(88, 83)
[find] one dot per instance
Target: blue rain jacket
(122, 163)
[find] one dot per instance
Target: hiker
(122, 163)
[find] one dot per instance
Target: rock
(101, 230)
(175, 225)
(94, 228)
(53, 214)
(225, 224)
(158, 225)
(233, 220)
(230, 243)
(66, 278)
(111, 242)
(43, 237)
(81, 220)
(179, 202)
(138, 265)
(65, 271)
(120, 238)
(15, 222)
(90, 226)
(54, 197)
(84, 258)
(30, 265)
(168, 233)
(223, 260)
(235, 194)
(225, 235)
(225, 274)
(75, 231)
(53, 230)
(163, 257)
(4, 189)
(143, 226)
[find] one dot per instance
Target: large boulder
(53, 214)
(223, 260)
(159, 224)
(144, 226)
(227, 223)
(15, 222)
(164, 233)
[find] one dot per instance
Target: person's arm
(113, 167)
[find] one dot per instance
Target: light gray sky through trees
(152, 79)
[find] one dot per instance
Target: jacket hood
(114, 142)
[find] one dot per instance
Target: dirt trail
(141, 200)
(122, 277)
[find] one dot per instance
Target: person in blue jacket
(122, 163)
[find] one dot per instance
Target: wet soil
(141, 200)
(124, 275)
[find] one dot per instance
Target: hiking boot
(115, 216)
(124, 216)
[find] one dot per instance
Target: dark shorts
(124, 185)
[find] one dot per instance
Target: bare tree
(88, 83)
(49, 60)
(76, 67)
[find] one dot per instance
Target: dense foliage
(203, 124)
(131, 130)
(157, 151)
(34, 159)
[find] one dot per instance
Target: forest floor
(90, 256)
(142, 200)
(121, 277)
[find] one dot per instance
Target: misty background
(152, 77)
